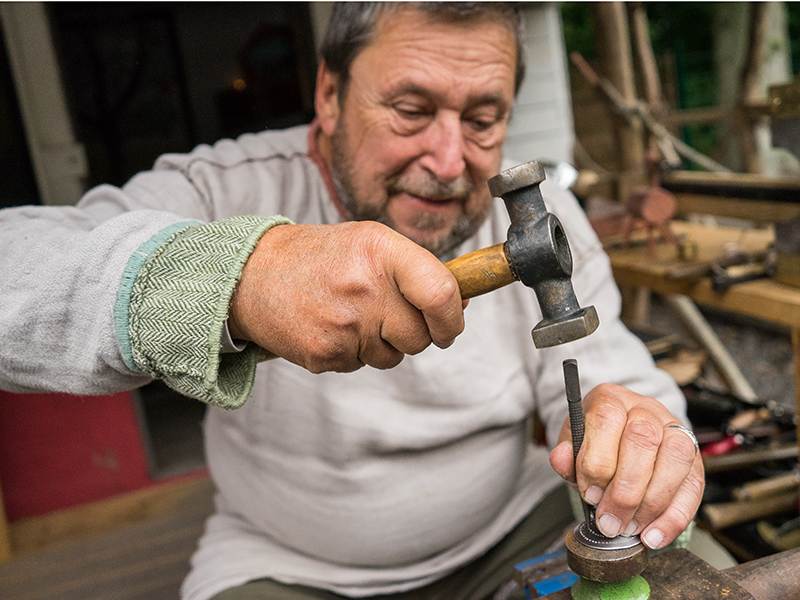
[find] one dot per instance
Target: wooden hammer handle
(481, 271)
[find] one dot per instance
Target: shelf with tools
(757, 479)
(765, 298)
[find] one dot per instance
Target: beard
(424, 185)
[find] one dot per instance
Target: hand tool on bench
(722, 278)
(699, 270)
(607, 567)
(536, 253)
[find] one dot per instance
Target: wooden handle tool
(482, 271)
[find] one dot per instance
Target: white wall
(320, 15)
(541, 126)
(59, 162)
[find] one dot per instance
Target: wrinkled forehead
(453, 17)
(445, 13)
(415, 40)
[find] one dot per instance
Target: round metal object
(512, 179)
(588, 535)
(605, 565)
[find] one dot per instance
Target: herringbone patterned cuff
(179, 304)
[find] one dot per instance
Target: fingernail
(653, 539)
(630, 529)
(609, 525)
(593, 495)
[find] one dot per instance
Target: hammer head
(538, 252)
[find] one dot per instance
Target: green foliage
(793, 15)
(685, 23)
(578, 28)
(679, 32)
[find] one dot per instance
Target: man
(417, 481)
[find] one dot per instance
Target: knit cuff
(178, 304)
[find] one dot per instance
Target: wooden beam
(5, 537)
(740, 195)
(760, 212)
(748, 86)
(691, 116)
(770, 185)
(650, 80)
(796, 361)
(36, 533)
(612, 40)
(640, 33)
(712, 114)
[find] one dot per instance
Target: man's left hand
(642, 476)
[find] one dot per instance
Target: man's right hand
(337, 297)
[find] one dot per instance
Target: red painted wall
(58, 450)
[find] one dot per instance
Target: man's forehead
(414, 52)
(401, 16)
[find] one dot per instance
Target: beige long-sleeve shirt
(362, 483)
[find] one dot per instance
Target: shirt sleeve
(62, 267)
(67, 271)
(173, 304)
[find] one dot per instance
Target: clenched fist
(338, 297)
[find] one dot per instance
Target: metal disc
(589, 536)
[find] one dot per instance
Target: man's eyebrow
(407, 87)
(489, 98)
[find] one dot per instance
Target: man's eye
(410, 112)
(482, 124)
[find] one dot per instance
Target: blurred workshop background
(677, 125)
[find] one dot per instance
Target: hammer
(536, 253)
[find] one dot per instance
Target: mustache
(428, 186)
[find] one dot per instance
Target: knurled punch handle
(576, 425)
(573, 386)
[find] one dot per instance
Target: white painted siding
(59, 161)
(541, 126)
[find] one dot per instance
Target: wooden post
(651, 82)
(648, 69)
(796, 359)
(749, 86)
(612, 40)
(5, 537)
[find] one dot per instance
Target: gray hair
(353, 24)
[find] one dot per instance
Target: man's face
(422, 126)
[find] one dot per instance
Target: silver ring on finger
(688, 432)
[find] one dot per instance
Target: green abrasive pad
(635, 588)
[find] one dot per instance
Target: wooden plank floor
(146, 560)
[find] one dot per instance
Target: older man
(418, 481)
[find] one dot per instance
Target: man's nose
(444, 148)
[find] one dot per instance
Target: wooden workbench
(764, 299)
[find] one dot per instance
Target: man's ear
(326, 99)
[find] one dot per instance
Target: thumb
(430, 287)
